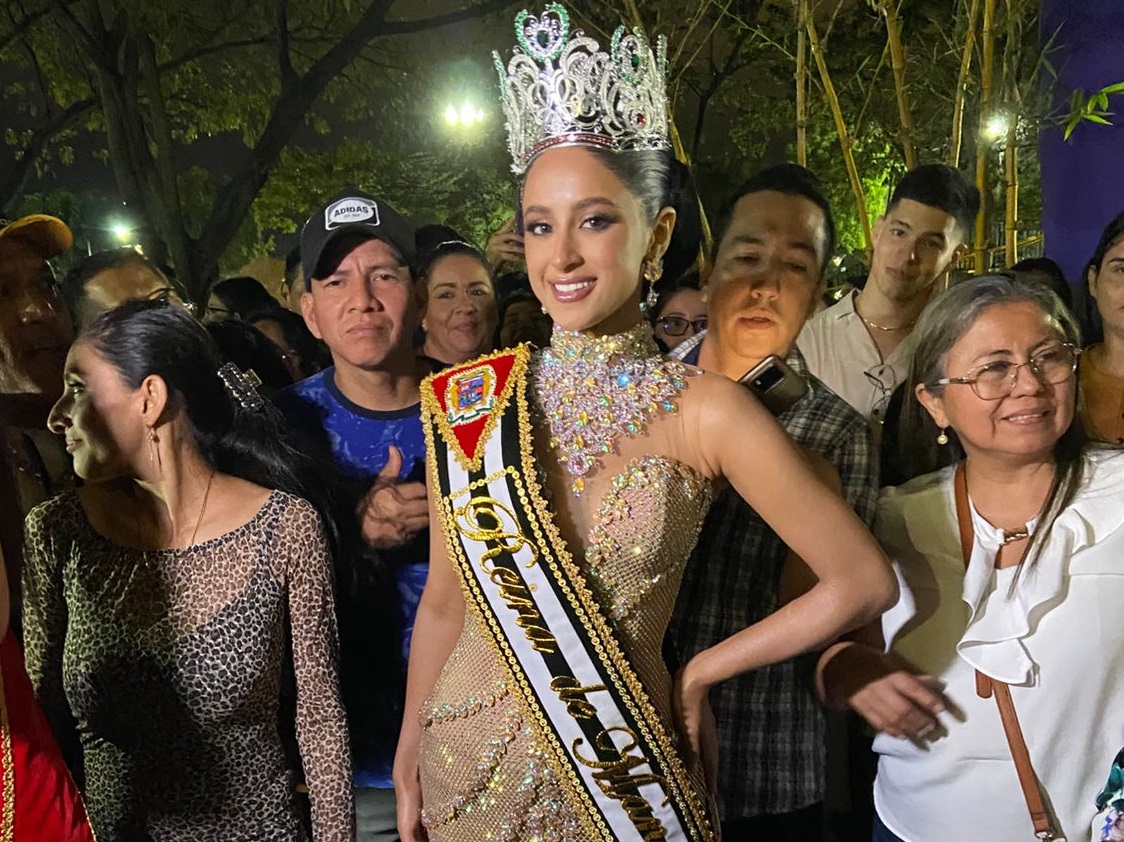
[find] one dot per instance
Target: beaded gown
(484, 775)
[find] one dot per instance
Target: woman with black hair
(160, 597)
(1102, 364)
(459, 291)
(237, 298)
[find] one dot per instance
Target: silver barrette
(243, 386)
(563, 90)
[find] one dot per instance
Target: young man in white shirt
(860, 347)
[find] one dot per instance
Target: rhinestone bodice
(483, 772)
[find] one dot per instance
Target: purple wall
(1082, 180)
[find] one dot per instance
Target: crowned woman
(570, 486)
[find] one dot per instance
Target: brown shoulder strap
(986, 686)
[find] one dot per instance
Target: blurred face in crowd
(460, 309)
(99, 416)
(1106, 285)
(295, 291)
(289, 356)
(586, 237)
(365, 310)
(217, 310)
(115, 286)
(767, 277)
(914, 244)
(682, 317)
(1025, 423)
(35, 330)
(525, 321)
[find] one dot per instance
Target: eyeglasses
(996, 380)
(677, 325)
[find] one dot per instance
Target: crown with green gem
(561, 89)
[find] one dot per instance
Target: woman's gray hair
(952, 313)
(914, 451)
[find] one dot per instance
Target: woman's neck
(171, 493)
(1006, 493)
(1109, 358)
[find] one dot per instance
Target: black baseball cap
(348, 213)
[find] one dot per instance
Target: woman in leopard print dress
(160, 599)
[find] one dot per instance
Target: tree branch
(12, 186)
(406, 27)
(284, 58)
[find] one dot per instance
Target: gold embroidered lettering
(570, 690)
(616, 780)
(483, 518)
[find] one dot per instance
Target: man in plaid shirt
(775, 236)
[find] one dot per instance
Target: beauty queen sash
(605, 741)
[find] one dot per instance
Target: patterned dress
(483, 770)
(168, 663)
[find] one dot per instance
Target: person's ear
(1091, 278)
(933, 403)
(153, 394)
(661, 234)
(309, 313)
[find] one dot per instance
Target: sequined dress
(483, 771)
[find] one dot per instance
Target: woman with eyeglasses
(1010, 564)
(680, 313)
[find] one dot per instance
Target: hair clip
(243, 386)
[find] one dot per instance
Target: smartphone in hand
(775, 384)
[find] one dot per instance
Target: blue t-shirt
(360, 441)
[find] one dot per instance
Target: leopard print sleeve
(302, 547)
(45, 616)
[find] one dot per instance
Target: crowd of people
(574, 536)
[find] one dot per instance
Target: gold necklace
(203, 508)
(877, 326)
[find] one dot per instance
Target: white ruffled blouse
(1056, 635)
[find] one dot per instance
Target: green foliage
(1090, 108)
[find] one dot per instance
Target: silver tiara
(562, 89)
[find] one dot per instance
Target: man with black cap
(360, 299)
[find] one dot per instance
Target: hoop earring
(942, 439)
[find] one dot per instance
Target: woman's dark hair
(243, 295)
(667, 291)
(298, 338)
(248, 348)
(434, 242)
(1086, 305)
(143, 338)
(942, 324)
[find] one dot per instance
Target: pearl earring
(942, 439)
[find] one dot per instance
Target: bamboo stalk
(846, 142)
(982, 147)
(1011, 221)
(897, 63)
(962, 86)
(801, 86)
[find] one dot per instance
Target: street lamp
(996, 127)
(466, 116)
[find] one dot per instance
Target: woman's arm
(321, 721)
(854, 580)
(439, 621)
(45, 619)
